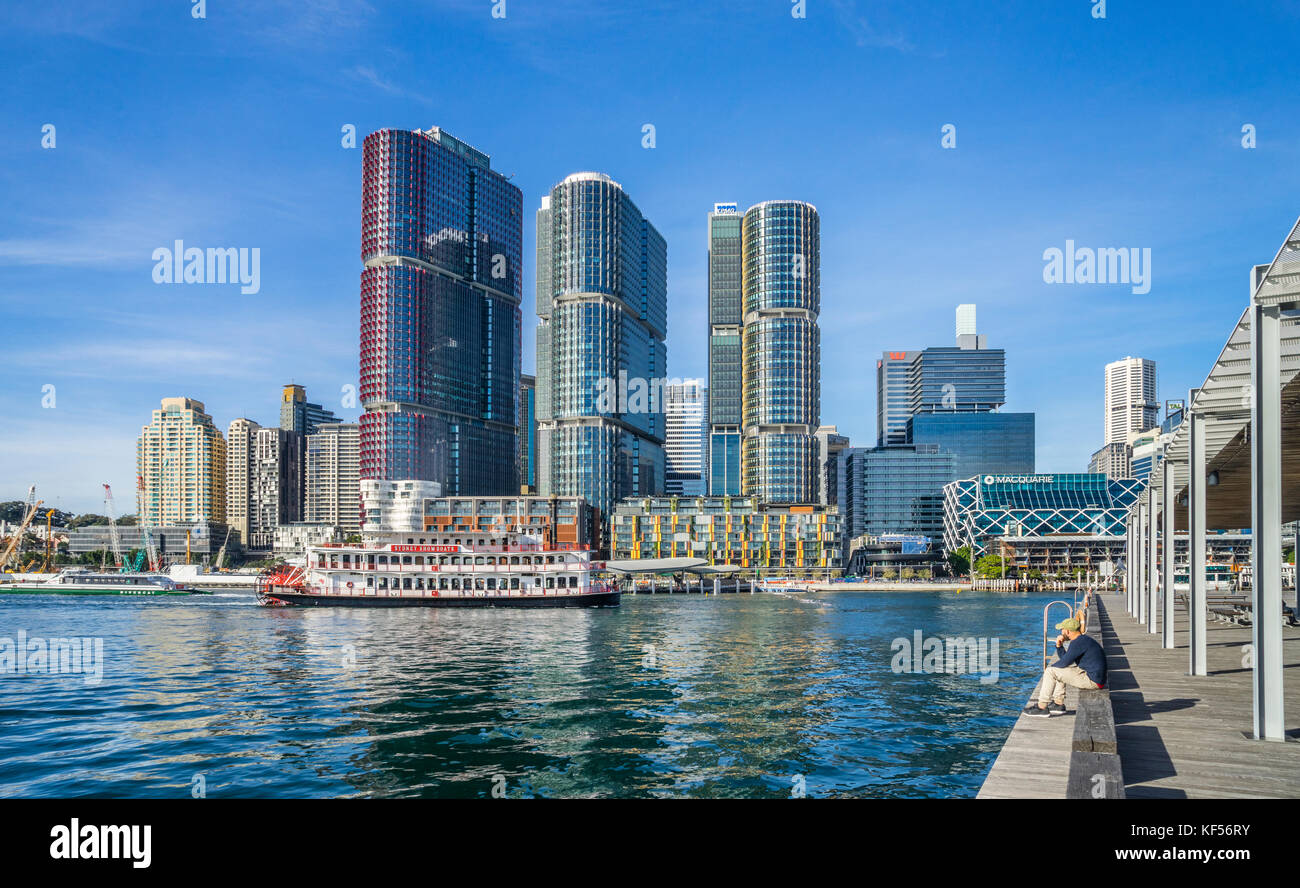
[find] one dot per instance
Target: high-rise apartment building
(332, 492)
(602, 301)
(781, 351)
(241, 445)
(277, 485)
(686, 418)
(441, 239)
(527, 434)
(830, 443)
(181, 464)
(1131, 402)
(726, 325)
(298, 415)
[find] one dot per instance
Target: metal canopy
(1224, 400)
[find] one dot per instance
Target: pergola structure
(1240, 436)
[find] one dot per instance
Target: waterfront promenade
(1179, 736)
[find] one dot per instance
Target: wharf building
(431, 519)
(181, 466)
(602, 303)
(743, 532)
(441, 242)
(780, 352)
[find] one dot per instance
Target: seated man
(1080, 663)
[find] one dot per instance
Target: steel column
(1197, 610)
(1266, 517)
(1153, 562)
(1170, 547)
(1141, 592)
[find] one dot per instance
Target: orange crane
(15, 541)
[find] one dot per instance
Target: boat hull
(277, 595)
(132, 593)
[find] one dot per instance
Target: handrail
(1046, 610)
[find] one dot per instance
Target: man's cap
(1072, 624)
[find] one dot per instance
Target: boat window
(514, 582)
(478, 583)
(455, 583)
(492, 583)
(442, 582)
(406, 583)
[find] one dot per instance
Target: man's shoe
(1056, 709)
(1033, 710)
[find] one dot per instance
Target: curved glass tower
(441, 239)
(781, 351)
(602, 301)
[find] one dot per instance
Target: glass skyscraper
(980, 442)
(726, 318)
(781, 351)
(602, 300)
(441, 238)
(895, 489)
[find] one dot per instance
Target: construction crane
(154, 563)
(113, 535)
(49, 539)
(15, 541)
(221, 554)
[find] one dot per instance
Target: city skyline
(269, 173)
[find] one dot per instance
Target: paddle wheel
(281, 577)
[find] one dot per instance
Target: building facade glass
(781, 351)
(980, 442)
(894, 489)
(441, 239)
(726, 319)
(991, 506)
(602, 301)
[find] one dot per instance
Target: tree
(959, 560)
(353, 538)
(907, 574)
(888, 573)
(990, 567)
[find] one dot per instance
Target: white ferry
(440, 569)
(81, 581)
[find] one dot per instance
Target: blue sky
(225, 131)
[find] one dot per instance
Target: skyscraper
(181, 464)
(277, 485)
(968, 378)
(1131, 402)
(726, 320)
(686, 419)
(829, 445)
(441, 238)
(781, 351)
(297, 415)
(602, 300)
(241, 444)
(527, 434)
(332, 492)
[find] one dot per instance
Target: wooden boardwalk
(1179, 736)
(1182, 736)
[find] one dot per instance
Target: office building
(726, 325)
(527, 434)
(298, 415)
(978, 512)
(894, 490)
(558, 522)
(181, 464)
(602, 301)
(979, 442)
(686, 444)
(241, 444)
(1146, 449)
(781, 351)
(332, 494)
(1113, 461)
(441, 239)
(740, 531)
(1131, 402)
(830, 443)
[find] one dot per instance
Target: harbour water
(758, 695)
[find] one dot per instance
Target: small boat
(80, 581)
